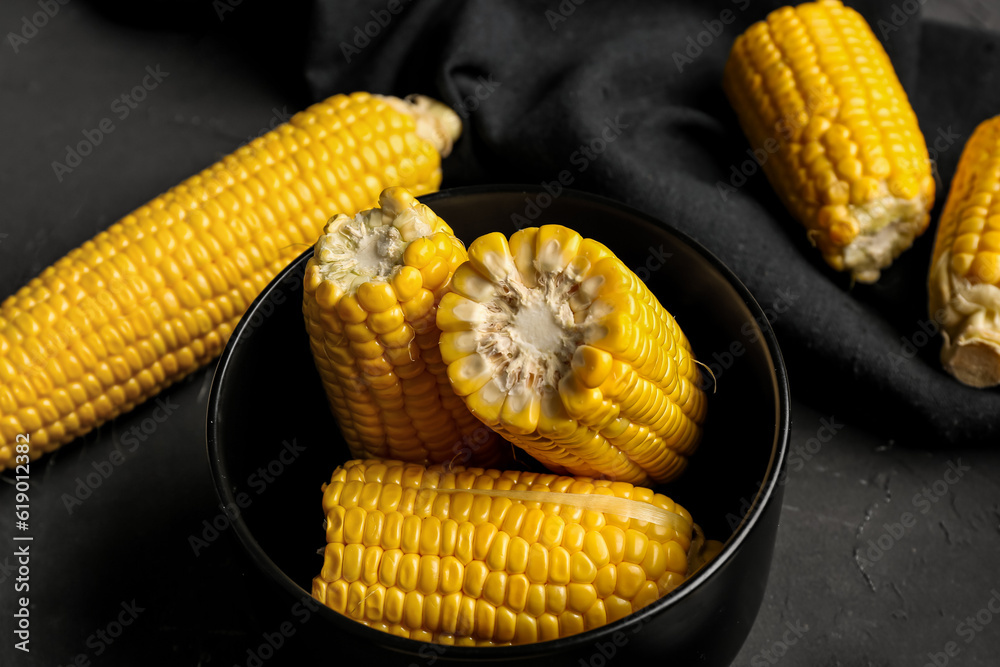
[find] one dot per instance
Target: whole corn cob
(370, 297)
(158, 294)
(964, 281)
(484, 557)
(818, 98)
(555, 344)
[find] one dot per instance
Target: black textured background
(231, 76)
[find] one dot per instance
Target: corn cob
(370, 296)
(827, 117)
(484, 557)
(158, 294)
(555, 344)
(964, 281)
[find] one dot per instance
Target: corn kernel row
(425, 553)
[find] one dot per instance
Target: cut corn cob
(555, 344)
(371, 291)
(484, 557)
(827, 117)
(964, 281)
(158, 294)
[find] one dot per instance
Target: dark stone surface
(904, 597)
(129, 540)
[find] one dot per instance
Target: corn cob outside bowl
(964, 282)
(817, 96)
(156, 296)
(704, 621)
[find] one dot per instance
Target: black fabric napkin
(638, 83)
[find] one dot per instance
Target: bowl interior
(273, 441)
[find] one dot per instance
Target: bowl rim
(763, 496)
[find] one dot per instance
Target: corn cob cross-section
(965, 272)
(558, 346)
(818, 98)
(157, 295)
(484, 557)
(370, 298)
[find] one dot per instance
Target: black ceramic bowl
(272, 443)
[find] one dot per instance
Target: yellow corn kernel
(964, 282)
(383, 376)
(817, 97)
(577, 363)
(158, 294)
(518, 575)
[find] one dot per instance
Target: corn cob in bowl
(158, 294)
(487, 557)
(819, 101)
(555, 344)
(370, 299)
(964, 284)
(702, 621)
